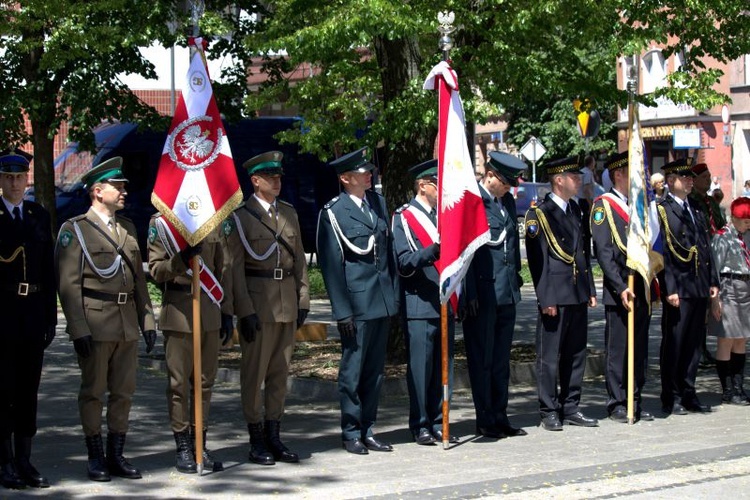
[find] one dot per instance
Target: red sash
(209, 283)
(616, 205)
(426, 240)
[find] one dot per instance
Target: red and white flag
(462, 222)
(196, 186)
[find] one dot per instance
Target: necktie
(112, 228)
(17, 220)
(366, 210)
(272, 213)
(687, 215)
(433, 216)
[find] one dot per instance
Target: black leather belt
(22, 289)
(733, 276)
(176, 287)
(276, 274)
(119, 298)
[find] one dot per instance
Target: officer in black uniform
(689, 278)
(491, 292)
(417, 247)
(609, 229)
(560, 266)
(28, 306)
(359, 269)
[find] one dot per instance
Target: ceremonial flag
(196, 186)
(462, 222)
(644, 256)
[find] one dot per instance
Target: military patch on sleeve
(532, 228)
(599, 215)
(152, 234)
(227, 227)
(65, 238)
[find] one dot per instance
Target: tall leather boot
(97, 464)
(24, 467)
(279, 451)
(209, 462)
(184, 455)
(9, 477)
(118, 465)
(738, 375)
(259, 454)
(725, 377)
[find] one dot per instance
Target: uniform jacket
(105, 320)
(729, 255)
(418, 276)
(494, 268)
(177, 306)
(711, 210)
(558, 282)
(274, 301)
(611, 251)
(687, 275)
(32, 315)
(360, 286)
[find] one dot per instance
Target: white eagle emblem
(191, 146)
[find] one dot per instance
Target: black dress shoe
(695, 406)
(550, 422)
(9, 477)
(675, 409)
(644, 415)
(355, 446)
(489, 432)
(619, 415)
(511, 431)
(439, 437)
(373, 444)
(424, 437)
(580, 420)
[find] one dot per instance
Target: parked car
(528, 194)
(307, 184)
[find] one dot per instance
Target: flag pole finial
(446, 28)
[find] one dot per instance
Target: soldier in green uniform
(271, 300)
(106, 304)
(169, 266)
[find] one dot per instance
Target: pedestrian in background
(28, 306)
(355, 249)
(104, 297)
(730, 321)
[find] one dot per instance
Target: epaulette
(284, 203)
(156, 215)
(331, 203)
(402, 208)
(662, 201)
(721, 231)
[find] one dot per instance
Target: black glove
(150, 337)
(347, 327)
(249, 326)
(472, 308)
(49, 336)
(520, 280)
(84, 345)
(301, 316)
(227, 327)
(188, 253)
(435, 250)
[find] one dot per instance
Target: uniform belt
(119, 298)
(277, 274)
(176, 287)
(740, 277)
(22, 289)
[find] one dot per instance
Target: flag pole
(445, 44)
(631, 88)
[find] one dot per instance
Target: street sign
(533, 150)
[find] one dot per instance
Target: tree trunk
(44, 173)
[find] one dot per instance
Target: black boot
(258, 452)
(118, 465)
(725, 377)
(209, 463)
(280, 452)
(27, 471)
(738, 375)
(97, 465)
(185, 456)
(9, 477)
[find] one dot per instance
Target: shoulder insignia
(65, 238)
(78, 217)
(598, 215)
(227, 227)
(284, 203)
(152, 234)
(532, 228)
(331, 203)
(402, 208)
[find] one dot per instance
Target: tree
(62, 60)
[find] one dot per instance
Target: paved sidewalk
(694, 456)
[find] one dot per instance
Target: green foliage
(317, 286)
(154, 293)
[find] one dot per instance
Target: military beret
(267, 163)
(356, 161)
(681, 166)
(107, 171)
(507, 165)
(425, 169)
(741, 208)
(699, 168)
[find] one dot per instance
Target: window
(654, 71)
